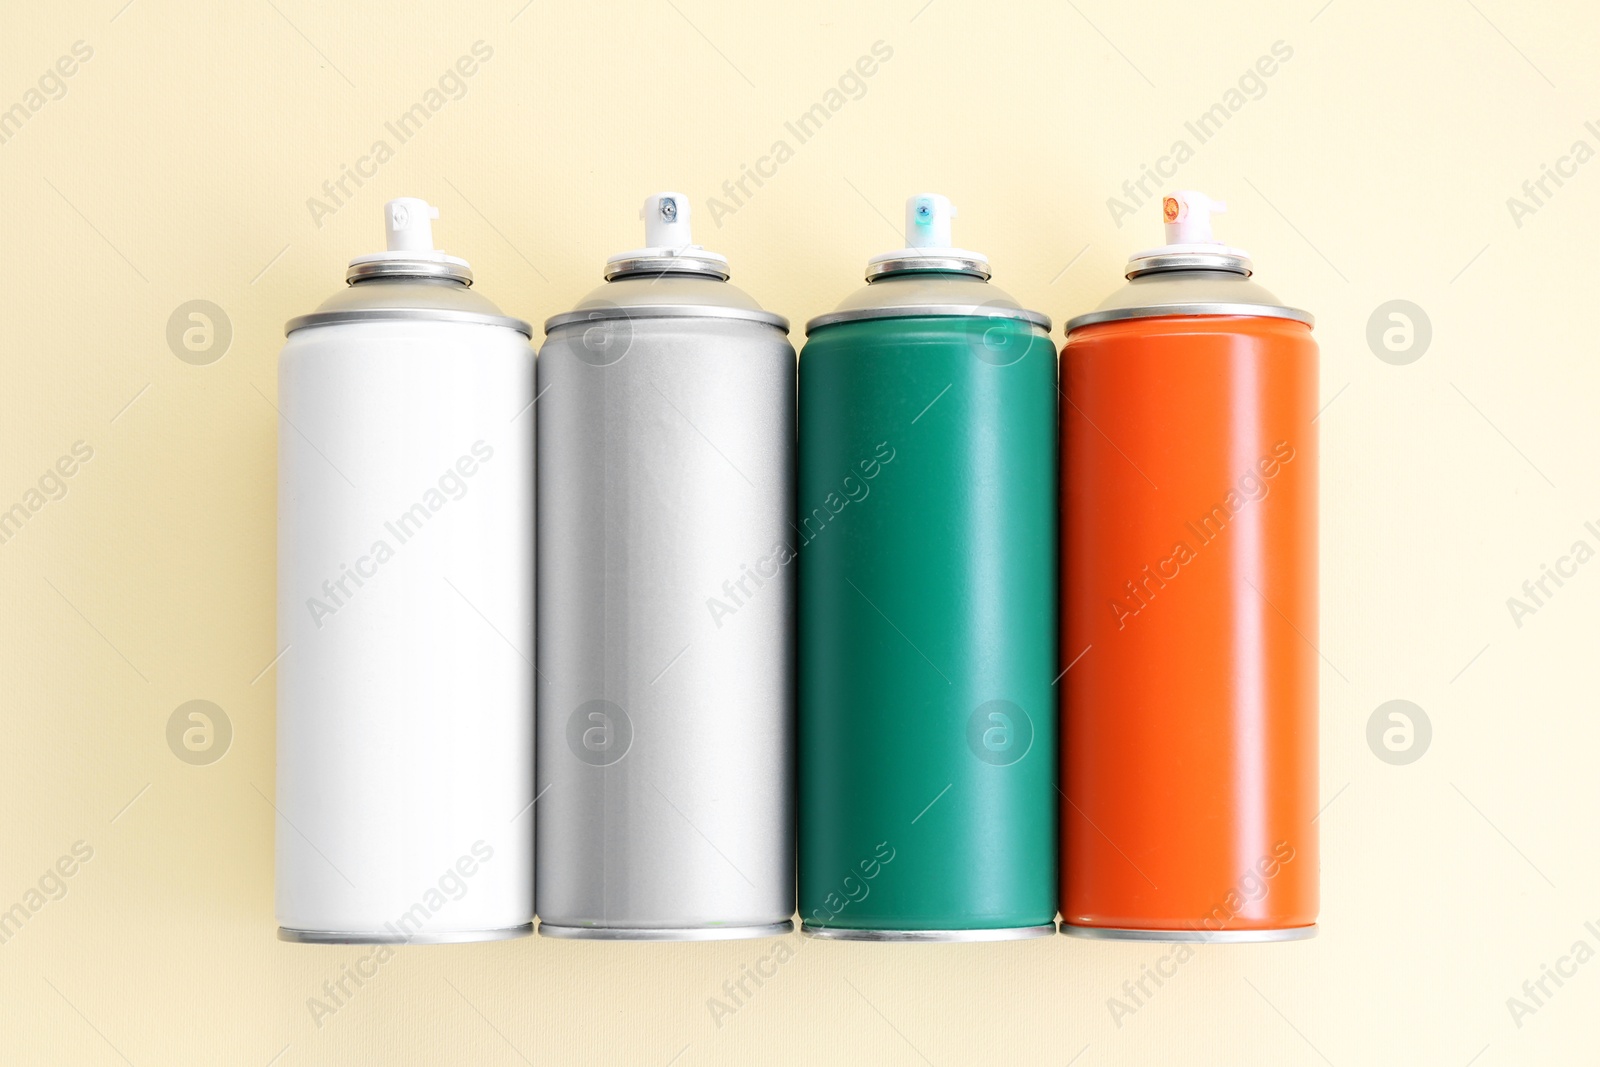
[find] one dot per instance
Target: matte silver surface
(699, 933)
(665, 748)
(1210, 937)
(1013, 933)
(660, 295)
(664, 311)
(323, 937)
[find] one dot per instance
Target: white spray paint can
(405, 606)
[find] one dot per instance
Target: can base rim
(445, 937)
(1007, 933)
(1202, 937)
(665, 933)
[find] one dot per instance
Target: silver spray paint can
(405, 606)
(666, 603)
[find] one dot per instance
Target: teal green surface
(927, 730)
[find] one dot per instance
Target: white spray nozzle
(1187, 215)
(666, 221)
(928, 218)
(928, 244)
(408, 224)
(669, 246)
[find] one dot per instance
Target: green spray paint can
(927, 554)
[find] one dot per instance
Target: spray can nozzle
(408, 240)
(668, 244)
(928, 218)
(928, 243)
(408, 223)
(1187, 215)
(666, 221)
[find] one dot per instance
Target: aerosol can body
(405, 606)
(927, 547)
(1189, 501)
(666, 603)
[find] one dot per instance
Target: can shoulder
(926, 294)
(1190, 292)
(390, 299)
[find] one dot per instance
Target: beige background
(1376, 166)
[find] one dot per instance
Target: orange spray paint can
(1189, 570)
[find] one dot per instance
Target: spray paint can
(666, 603)
(927, 537)
(1190, 586)
(405, 606)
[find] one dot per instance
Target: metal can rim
(384, 937)
(1206, 308)
(742, 932)
(665, 311)
(927, 311)
(331, 318)
(916, 264)
(907, 936)
(632, 266)
(1193, 936)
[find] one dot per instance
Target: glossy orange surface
(1189, 620)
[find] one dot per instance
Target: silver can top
(1193, 274)
(928, 277)
(409, 281)
(671, 277)
(669, 248)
